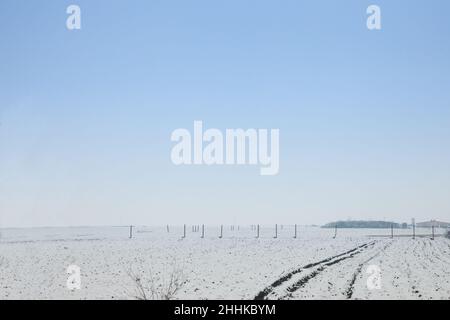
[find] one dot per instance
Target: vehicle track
(350, 290)
(286, 285)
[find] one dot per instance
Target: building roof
(433, 223)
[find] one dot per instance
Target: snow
(33, 263)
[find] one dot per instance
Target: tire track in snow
(286, 285)
(351, 287)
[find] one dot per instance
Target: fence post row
(196, 228)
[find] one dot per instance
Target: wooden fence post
(131, 232)
(276, 231)
(295, 231)
(203, 231)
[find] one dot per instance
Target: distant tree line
(364, 224)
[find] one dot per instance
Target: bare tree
(151, 285)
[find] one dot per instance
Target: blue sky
(86, 115)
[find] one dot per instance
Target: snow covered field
(33, 263)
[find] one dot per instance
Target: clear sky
(86, 115)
